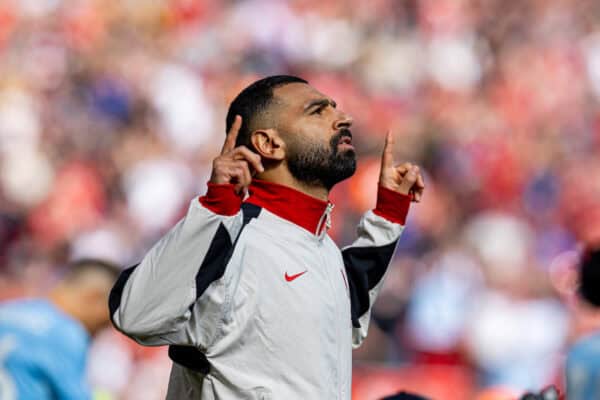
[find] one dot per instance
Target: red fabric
(392, 205)
(295, 206)
(221, 199)
(287, 203)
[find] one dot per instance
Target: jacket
(254, 299)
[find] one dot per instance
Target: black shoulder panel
(114, 298)
(220, 251)
(365, 266)
(213, 265)
(212, 268)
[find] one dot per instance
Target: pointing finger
(387, 158)
(232, 135)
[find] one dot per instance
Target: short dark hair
(254, 100)
(589, 277)
(77, 269)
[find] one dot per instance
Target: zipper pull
(324, 222)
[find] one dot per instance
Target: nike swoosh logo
(290, 278)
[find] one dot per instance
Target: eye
(318, 110)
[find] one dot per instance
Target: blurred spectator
(514, 332)
(44, 342)
(404, 396)
(583, 362)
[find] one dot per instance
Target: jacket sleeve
(367, 259)
(175, 294)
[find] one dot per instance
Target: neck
(286, 179)
(317, 192)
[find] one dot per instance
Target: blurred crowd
(111, 112)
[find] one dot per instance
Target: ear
(268, 144)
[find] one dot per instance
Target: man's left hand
(404, 178)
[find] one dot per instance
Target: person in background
(549, 393)
(44, 342)
(404, 396)
(583, 360)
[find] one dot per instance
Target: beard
(318, 165)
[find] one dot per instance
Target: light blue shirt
(583, 369)
(42, 353)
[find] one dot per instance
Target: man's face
(317, 135)
(94, 295)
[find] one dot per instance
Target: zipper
(324, 222)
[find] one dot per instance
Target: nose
(343, 121)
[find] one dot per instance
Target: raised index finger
(387, 158)
(232, 135)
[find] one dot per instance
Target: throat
(316, 191)
(312, 189)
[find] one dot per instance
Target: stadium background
(110, 114)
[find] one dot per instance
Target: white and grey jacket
(254, 299)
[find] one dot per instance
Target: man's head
(83, 292)
(293, 126)
(589, 277)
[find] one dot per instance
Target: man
(44, 343)
(254, 298)
(583, 360)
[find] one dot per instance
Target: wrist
(392, 205)
(221, 199)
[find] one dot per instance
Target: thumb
(408, 180)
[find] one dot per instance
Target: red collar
(287, 203)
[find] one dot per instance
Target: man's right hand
(234, 164)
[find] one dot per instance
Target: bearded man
(252, 296)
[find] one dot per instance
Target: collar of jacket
(306, 211)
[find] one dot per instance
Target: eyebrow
(320, 103)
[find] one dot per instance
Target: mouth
(345, 139)
(345, 144)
